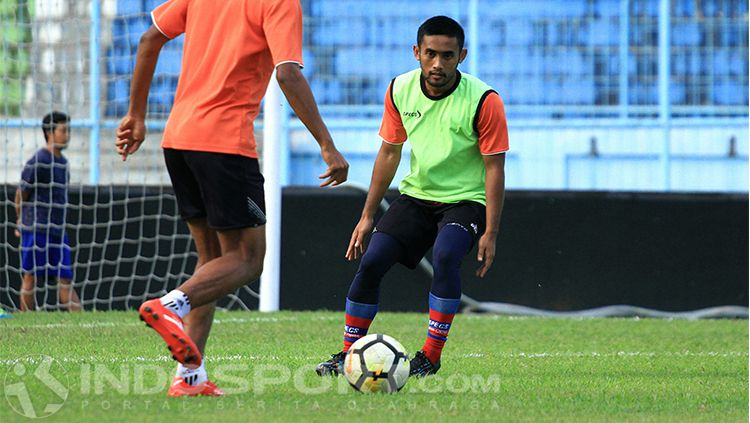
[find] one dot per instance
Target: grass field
(112, 368)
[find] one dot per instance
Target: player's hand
(485, 253)
(130, 135)
(338, 168)
(357, 242)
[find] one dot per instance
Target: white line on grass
(518, 355)
(216, 321)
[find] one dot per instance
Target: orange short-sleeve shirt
(231, 48)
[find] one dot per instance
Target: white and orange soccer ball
(376, 363)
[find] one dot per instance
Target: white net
(128, 242)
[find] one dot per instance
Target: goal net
(128, 241)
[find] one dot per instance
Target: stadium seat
(150, 5)
(119, 61)
(170, 61)
(518, 33)
(606, 9)
(118, 93)
(129, 7)
(686, 34)
(135, 28)
(684, 8)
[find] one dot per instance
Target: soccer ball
(376, 363)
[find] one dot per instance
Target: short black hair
(51, 120)
(441, 25)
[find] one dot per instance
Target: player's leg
(459, 230)
(29, 258)
(27, 292)
(362, 299)
(403, 234)
(241, 262)
(67, 295)
(60, 258)
(198, 321)
(227, 191)
(364, 293)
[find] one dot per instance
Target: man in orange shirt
(231, 49)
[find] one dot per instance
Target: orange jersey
(231, 48)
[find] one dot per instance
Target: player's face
(439, 56)
(60, 136)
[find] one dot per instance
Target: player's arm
(297, 91)
(21, 196)
(386, 164)
(132, 129)
(493, 143)
(495, 189)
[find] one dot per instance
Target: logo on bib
(416, 114)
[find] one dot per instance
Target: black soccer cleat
(333, 367)
(421, 366)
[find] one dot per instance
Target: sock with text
(358, 317)
(442, 311)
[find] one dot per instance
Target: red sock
(359, 317)
(437, 334)
(356, 327)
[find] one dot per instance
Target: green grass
(494, 369)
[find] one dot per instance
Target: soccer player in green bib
(451, 199)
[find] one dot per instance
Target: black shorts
(227, 189)
(415, 223)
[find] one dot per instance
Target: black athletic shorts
(415, 223)
(227, 189)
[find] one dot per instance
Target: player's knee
(372, 263)
(445, 258)
(253, 267)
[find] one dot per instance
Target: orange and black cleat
(169, 326)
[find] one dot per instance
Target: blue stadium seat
(677, 93)
(603, 33)
(118, 90)
(118, 93)
(119, 61)
(578, 91)
(308, 59)
(327, 92)
(170, 61)
(607, 8)
(178, 42)
(136, 27)
(643, 8)
(709, 8)
(127, 32)
(162, 91)
(150, 5)
(518, 33)
(119, 32)
(686, 34)
(129, 7)
(729, 93)
(731, 35)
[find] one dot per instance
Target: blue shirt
(45, 177)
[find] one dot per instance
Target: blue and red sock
(359, 317)
(442, 311)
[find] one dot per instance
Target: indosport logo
(36, 386)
